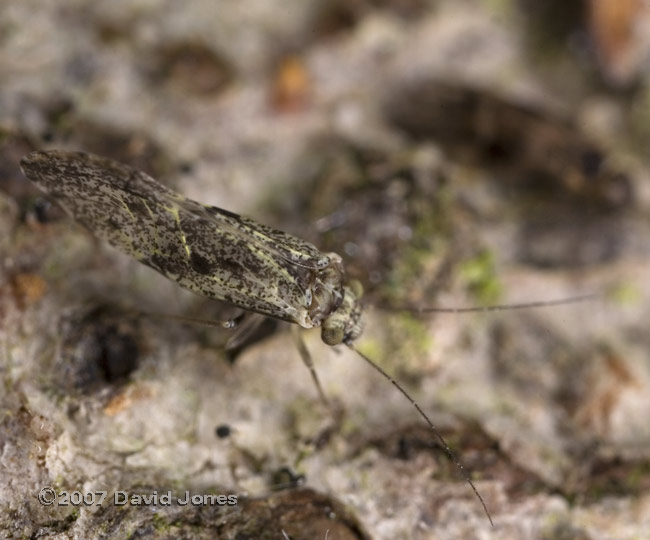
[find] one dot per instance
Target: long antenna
(496, 307)
(452, 457)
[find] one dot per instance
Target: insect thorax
(335, 306)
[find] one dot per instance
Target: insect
(216, 253)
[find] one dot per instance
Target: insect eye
(332, 335)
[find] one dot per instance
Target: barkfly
(219, 254)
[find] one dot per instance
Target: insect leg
(307, 360)
(229, 323)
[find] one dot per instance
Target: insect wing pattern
(205, 249)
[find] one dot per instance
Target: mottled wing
(210, 251)
(282, 245)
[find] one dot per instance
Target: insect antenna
(495, 307)
(445, 447)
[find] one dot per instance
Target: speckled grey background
(453, 152)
